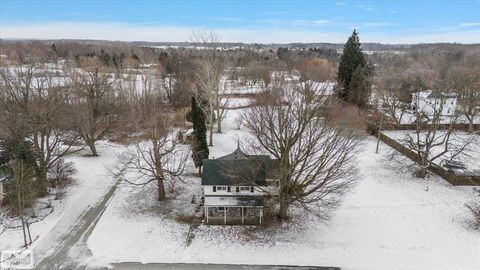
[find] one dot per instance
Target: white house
(237, 186)
(431, 102)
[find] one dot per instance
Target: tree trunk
(200, 170)
(29, 234)
(219, 125)
(41, 175)
(24, 232)
(161, 190)
(283, 212)
(93, 149)
(210, 143)
(423, 167)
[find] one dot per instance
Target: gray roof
(238, 168)
(438, 94)
(233, 172)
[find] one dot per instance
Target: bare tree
(315, 156)
(465, 80)
(159, 159)
(35, 108)
(391, 103)
(22, 185)
(93, 91)
(430, 140)
(211, 69)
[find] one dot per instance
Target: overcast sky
(244, 21)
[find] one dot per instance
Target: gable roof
(233, 172)
(238, 168)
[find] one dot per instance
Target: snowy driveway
(200, 266)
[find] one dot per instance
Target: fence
(456, 180)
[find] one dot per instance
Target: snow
(390, 220)
(471, 158)
(91, 182)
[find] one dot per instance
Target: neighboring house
(430, 102)
(237, 186)
(3, 178)
(324, 91)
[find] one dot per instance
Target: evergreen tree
(199, 143)
(360, 86)
(351, 59)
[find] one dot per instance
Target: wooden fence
(456, 180)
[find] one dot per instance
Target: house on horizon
(236, 187)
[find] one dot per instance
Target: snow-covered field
(390, 220)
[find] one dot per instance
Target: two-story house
(237, 186)
(434, 102)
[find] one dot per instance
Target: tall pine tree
(352, 58)
(199, 141)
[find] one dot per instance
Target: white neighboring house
(430, 101)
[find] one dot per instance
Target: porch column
(225, 215)
(261, 214)
(241, 208)
(206, 212)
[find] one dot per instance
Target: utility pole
(378, 132)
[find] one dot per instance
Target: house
(237, 186)
(431, 102)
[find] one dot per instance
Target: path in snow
(65, 243)
(202, 266)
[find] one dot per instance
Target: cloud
(376, 24)
(469, 24)
(322, 22)
(157, 32)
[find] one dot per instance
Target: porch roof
(243, 201)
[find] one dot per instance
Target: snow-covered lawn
(390, 220)
(470, 158)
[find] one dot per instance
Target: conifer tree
(351, 59)
(199, 142)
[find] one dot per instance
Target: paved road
(194, 266)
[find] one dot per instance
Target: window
(244, 188)
(221, 188)
(252, 189)
(229, 189)
(214, 189)
(221, 209)
(237, 189)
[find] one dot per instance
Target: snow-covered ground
(408, 117)
(470, 158)
(91, 182)
(390, 220)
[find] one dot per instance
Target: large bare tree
(315, 156)
(93, 92)
(211, 69)
(35, 107)
(158, 159)
(435, 136)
